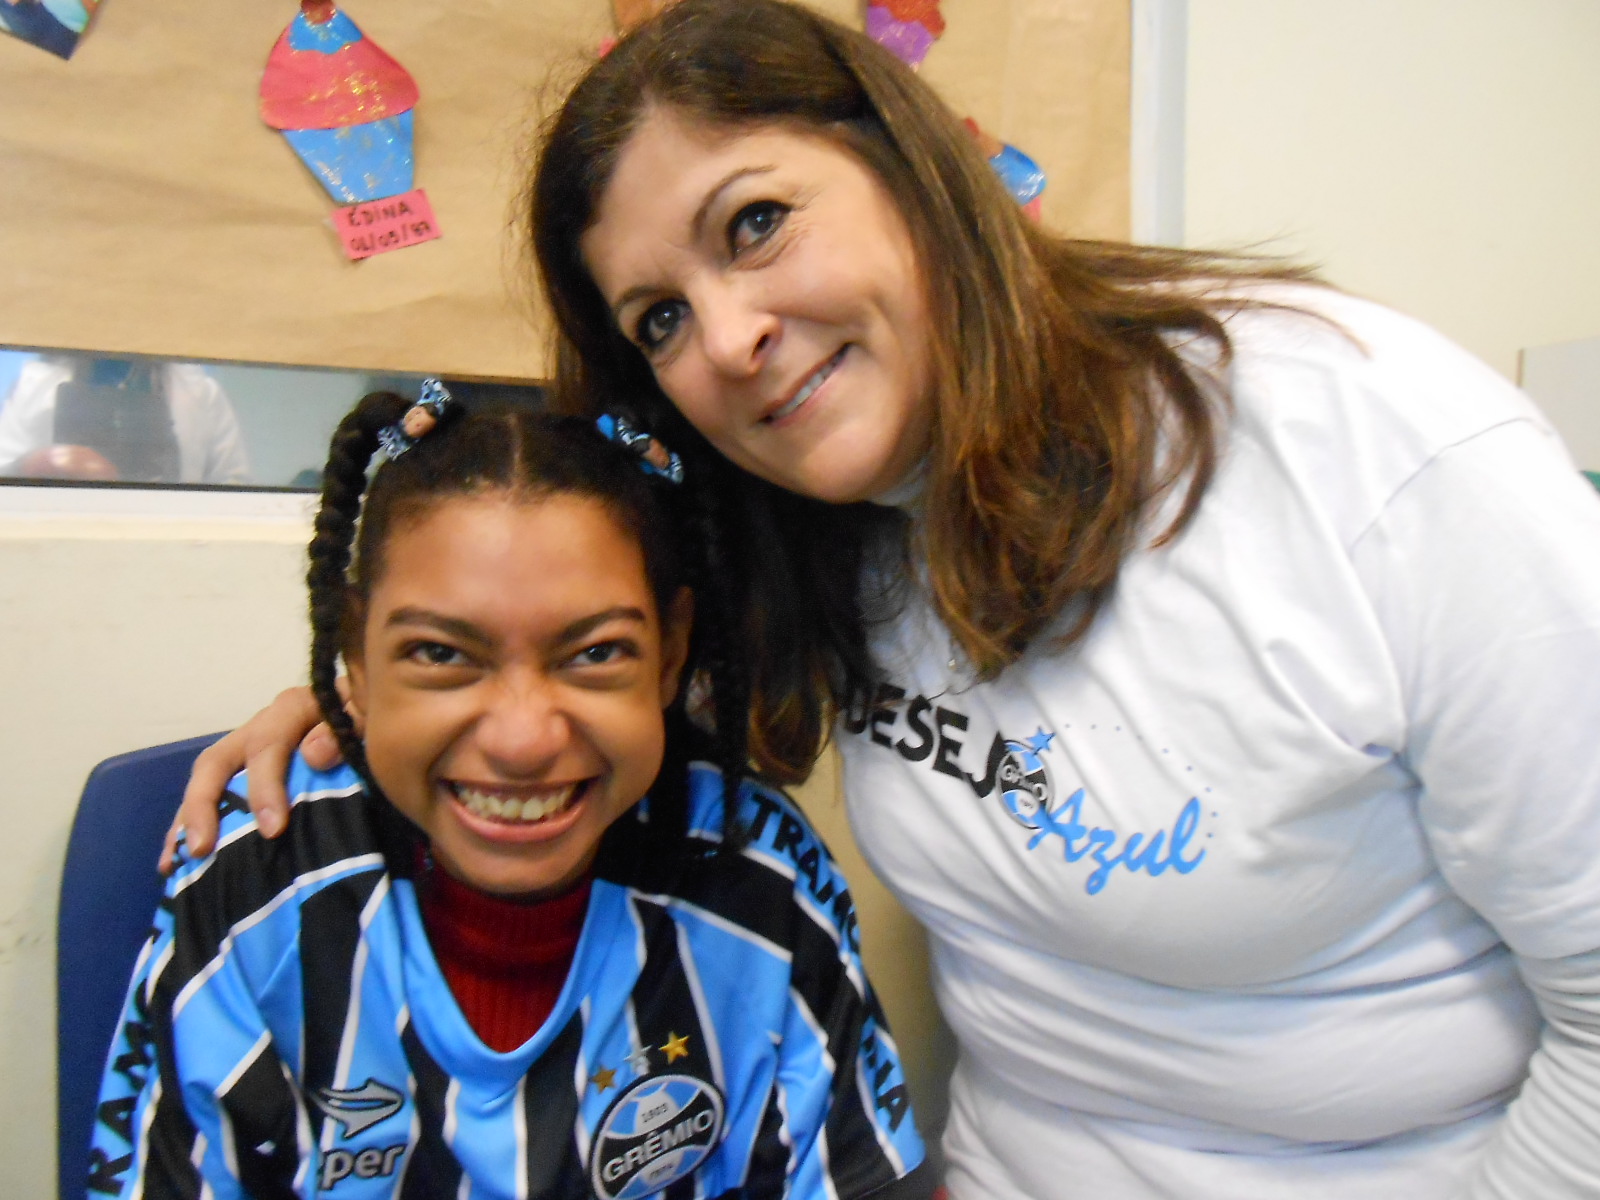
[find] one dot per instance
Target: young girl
(482, 961)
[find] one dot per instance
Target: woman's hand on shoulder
(263, 744)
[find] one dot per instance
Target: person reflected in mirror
(87, 418)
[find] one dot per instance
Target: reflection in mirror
(92, 419)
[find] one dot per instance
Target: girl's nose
(523, 727)
(736, 331)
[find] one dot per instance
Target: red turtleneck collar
(505, 960)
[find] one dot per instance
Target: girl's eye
(435, 654)
(603, 654)
(754, 224)
(658, 323)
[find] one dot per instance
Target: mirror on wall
(110, 420)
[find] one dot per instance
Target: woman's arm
(264, 744)
(1485, 574)
(1547, 1144)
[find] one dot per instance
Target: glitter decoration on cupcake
(1021, 175)
(342, 104)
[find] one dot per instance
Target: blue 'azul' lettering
(1135, 855)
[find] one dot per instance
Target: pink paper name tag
(388, 224)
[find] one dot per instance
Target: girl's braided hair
(530, 455)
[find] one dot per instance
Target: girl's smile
(510, 683)
(773, 287)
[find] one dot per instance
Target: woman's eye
(754, 224)
(435, 654)
(658, 323)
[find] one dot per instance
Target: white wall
(117, 630)
(1440, 155)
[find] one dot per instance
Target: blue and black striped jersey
(288, 1031)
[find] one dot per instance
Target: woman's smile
(805, 391)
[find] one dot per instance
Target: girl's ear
(353, 683)
(353, 687)
(676, 623)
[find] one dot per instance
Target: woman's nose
(736, 330)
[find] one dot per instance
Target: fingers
(263, 744)
(208, 779)
(169, 849)
(264, 788)
(320, 748)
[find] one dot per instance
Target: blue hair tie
(433, 401)
(654, 457)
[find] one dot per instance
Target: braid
(344, 481)
(718, 592)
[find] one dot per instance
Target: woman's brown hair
(1062, 410)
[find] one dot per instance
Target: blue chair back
(109, 890)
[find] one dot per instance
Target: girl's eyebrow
(412, 615)
(467, 631)
(585, 625)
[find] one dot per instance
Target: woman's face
(773, 287)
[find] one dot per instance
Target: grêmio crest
(659, 1130)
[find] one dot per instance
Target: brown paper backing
(144, 207)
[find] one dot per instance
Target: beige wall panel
(115, 635)
(1438, 155)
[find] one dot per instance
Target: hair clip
(655, 458)
(419, 421)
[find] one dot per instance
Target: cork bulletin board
(145, 208)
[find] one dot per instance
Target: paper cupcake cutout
(1021, 175)
(907, 28)
(53, 25)
(342, 104)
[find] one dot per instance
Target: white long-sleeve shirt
(1279, 882)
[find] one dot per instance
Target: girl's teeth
(535, 808)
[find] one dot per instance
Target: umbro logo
(358, 1108)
